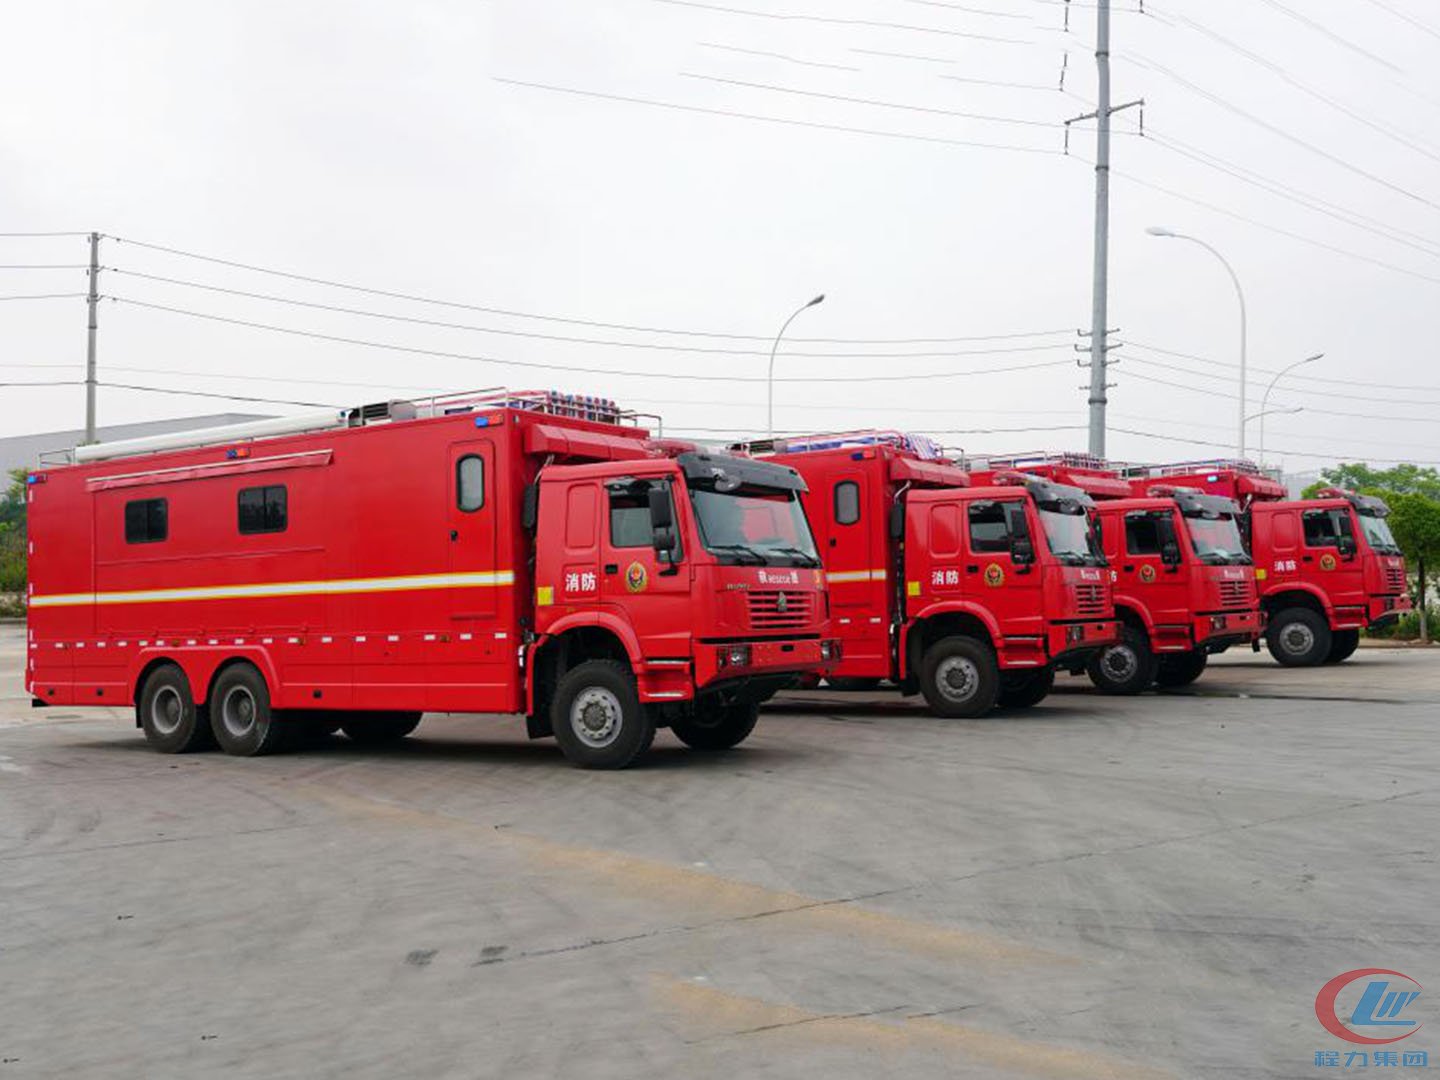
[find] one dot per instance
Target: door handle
(1129, 568)
(454, 534)
(1307, 558)
(612, 568)
(972, 568)
(832, 541)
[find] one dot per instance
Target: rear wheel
(715, 727)
(597, 717)
(375, 728)
(1021, 689)
(172, 722)
(1298, 637)
(240, 713)
(1342, 644)
(959, 677)
(1126, 667)
(1181, 669)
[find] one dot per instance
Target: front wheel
(1181, 669)
(1127, 667)
(597, 717)
(1342, 644)
(1021, 689)
(1298, 637)
(715, 727)
(959, 677)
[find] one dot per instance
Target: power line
(14, 385)
(1130, 343)
(1405, 17)
(44, 266)
(990, 12)
(775, 119)
(832, 21)
(13, 235)
(872, 102)
(774, 56)
(657, 346)
(45, 296)
(1286, 453)
(509, 313)
(1325, 31)
(1318, 412)
(1292, 389)
(224, 397)
(570, 368)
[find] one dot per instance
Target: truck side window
(847, 502)
(989, 528)
(147, 521)
(629, 520)
(470, 483)
(263, 509)
(1323, 528)
(1142, 534)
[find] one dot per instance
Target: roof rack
(1031, 459)
(1181, 468)
(922, 446)
(549, 402)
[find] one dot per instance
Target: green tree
(12, 535)
(1357, 476)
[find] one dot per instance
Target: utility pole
(93, 302)
(1099, 334)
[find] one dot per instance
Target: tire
(1181, 669)
(1022, 689)
(1127, 667)
(172, 722)
(1298, 637)
(240, 714)
(959, 677)
(597, 717)
(378, 728)
(852, 684)
(716, 727)
(1343, 643)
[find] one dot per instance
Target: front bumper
(1067, 642)
(1384, 609)
(1226, 628)
(761, 657)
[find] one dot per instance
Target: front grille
(1090, 601)
(781, 609)
(1395, 578)
(1237, 594)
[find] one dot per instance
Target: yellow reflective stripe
(855, 575)
(474, 580)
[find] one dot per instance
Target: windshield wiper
(809, 560)
(755, 558)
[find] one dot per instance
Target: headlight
(825, 650)
(733, 656)
(1074, 634)
(1217, 622)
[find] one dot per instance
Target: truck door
(473, 585)
(1161, 590)
(652, 597)
(1013, 592)
(856, 573)
(1322, 561)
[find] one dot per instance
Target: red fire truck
(1184, 584)
(969, 595)
(496, 552)
(1328, 567)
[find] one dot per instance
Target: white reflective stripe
(855, 575)
(476, 580)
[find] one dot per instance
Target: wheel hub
(1297, 639)
(1121, 663)
(237, 712)
(595, 717)
(958, 678)
(166, 711)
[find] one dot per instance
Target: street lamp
(770, 379)
(1156, 230)
(1266, 398)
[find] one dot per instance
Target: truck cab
(1184, 587)
(968, 595)
(1326, 567)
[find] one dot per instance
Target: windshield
(758, 526)
(1378, 535)
(1216, 538)
(1071, 538)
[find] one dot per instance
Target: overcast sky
(378, 144)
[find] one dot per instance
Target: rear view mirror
(662, 527)
(662, 516)
(897, 521)
(1346, 546)
(1022, 551)
(1170, 553)
(530, 507)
